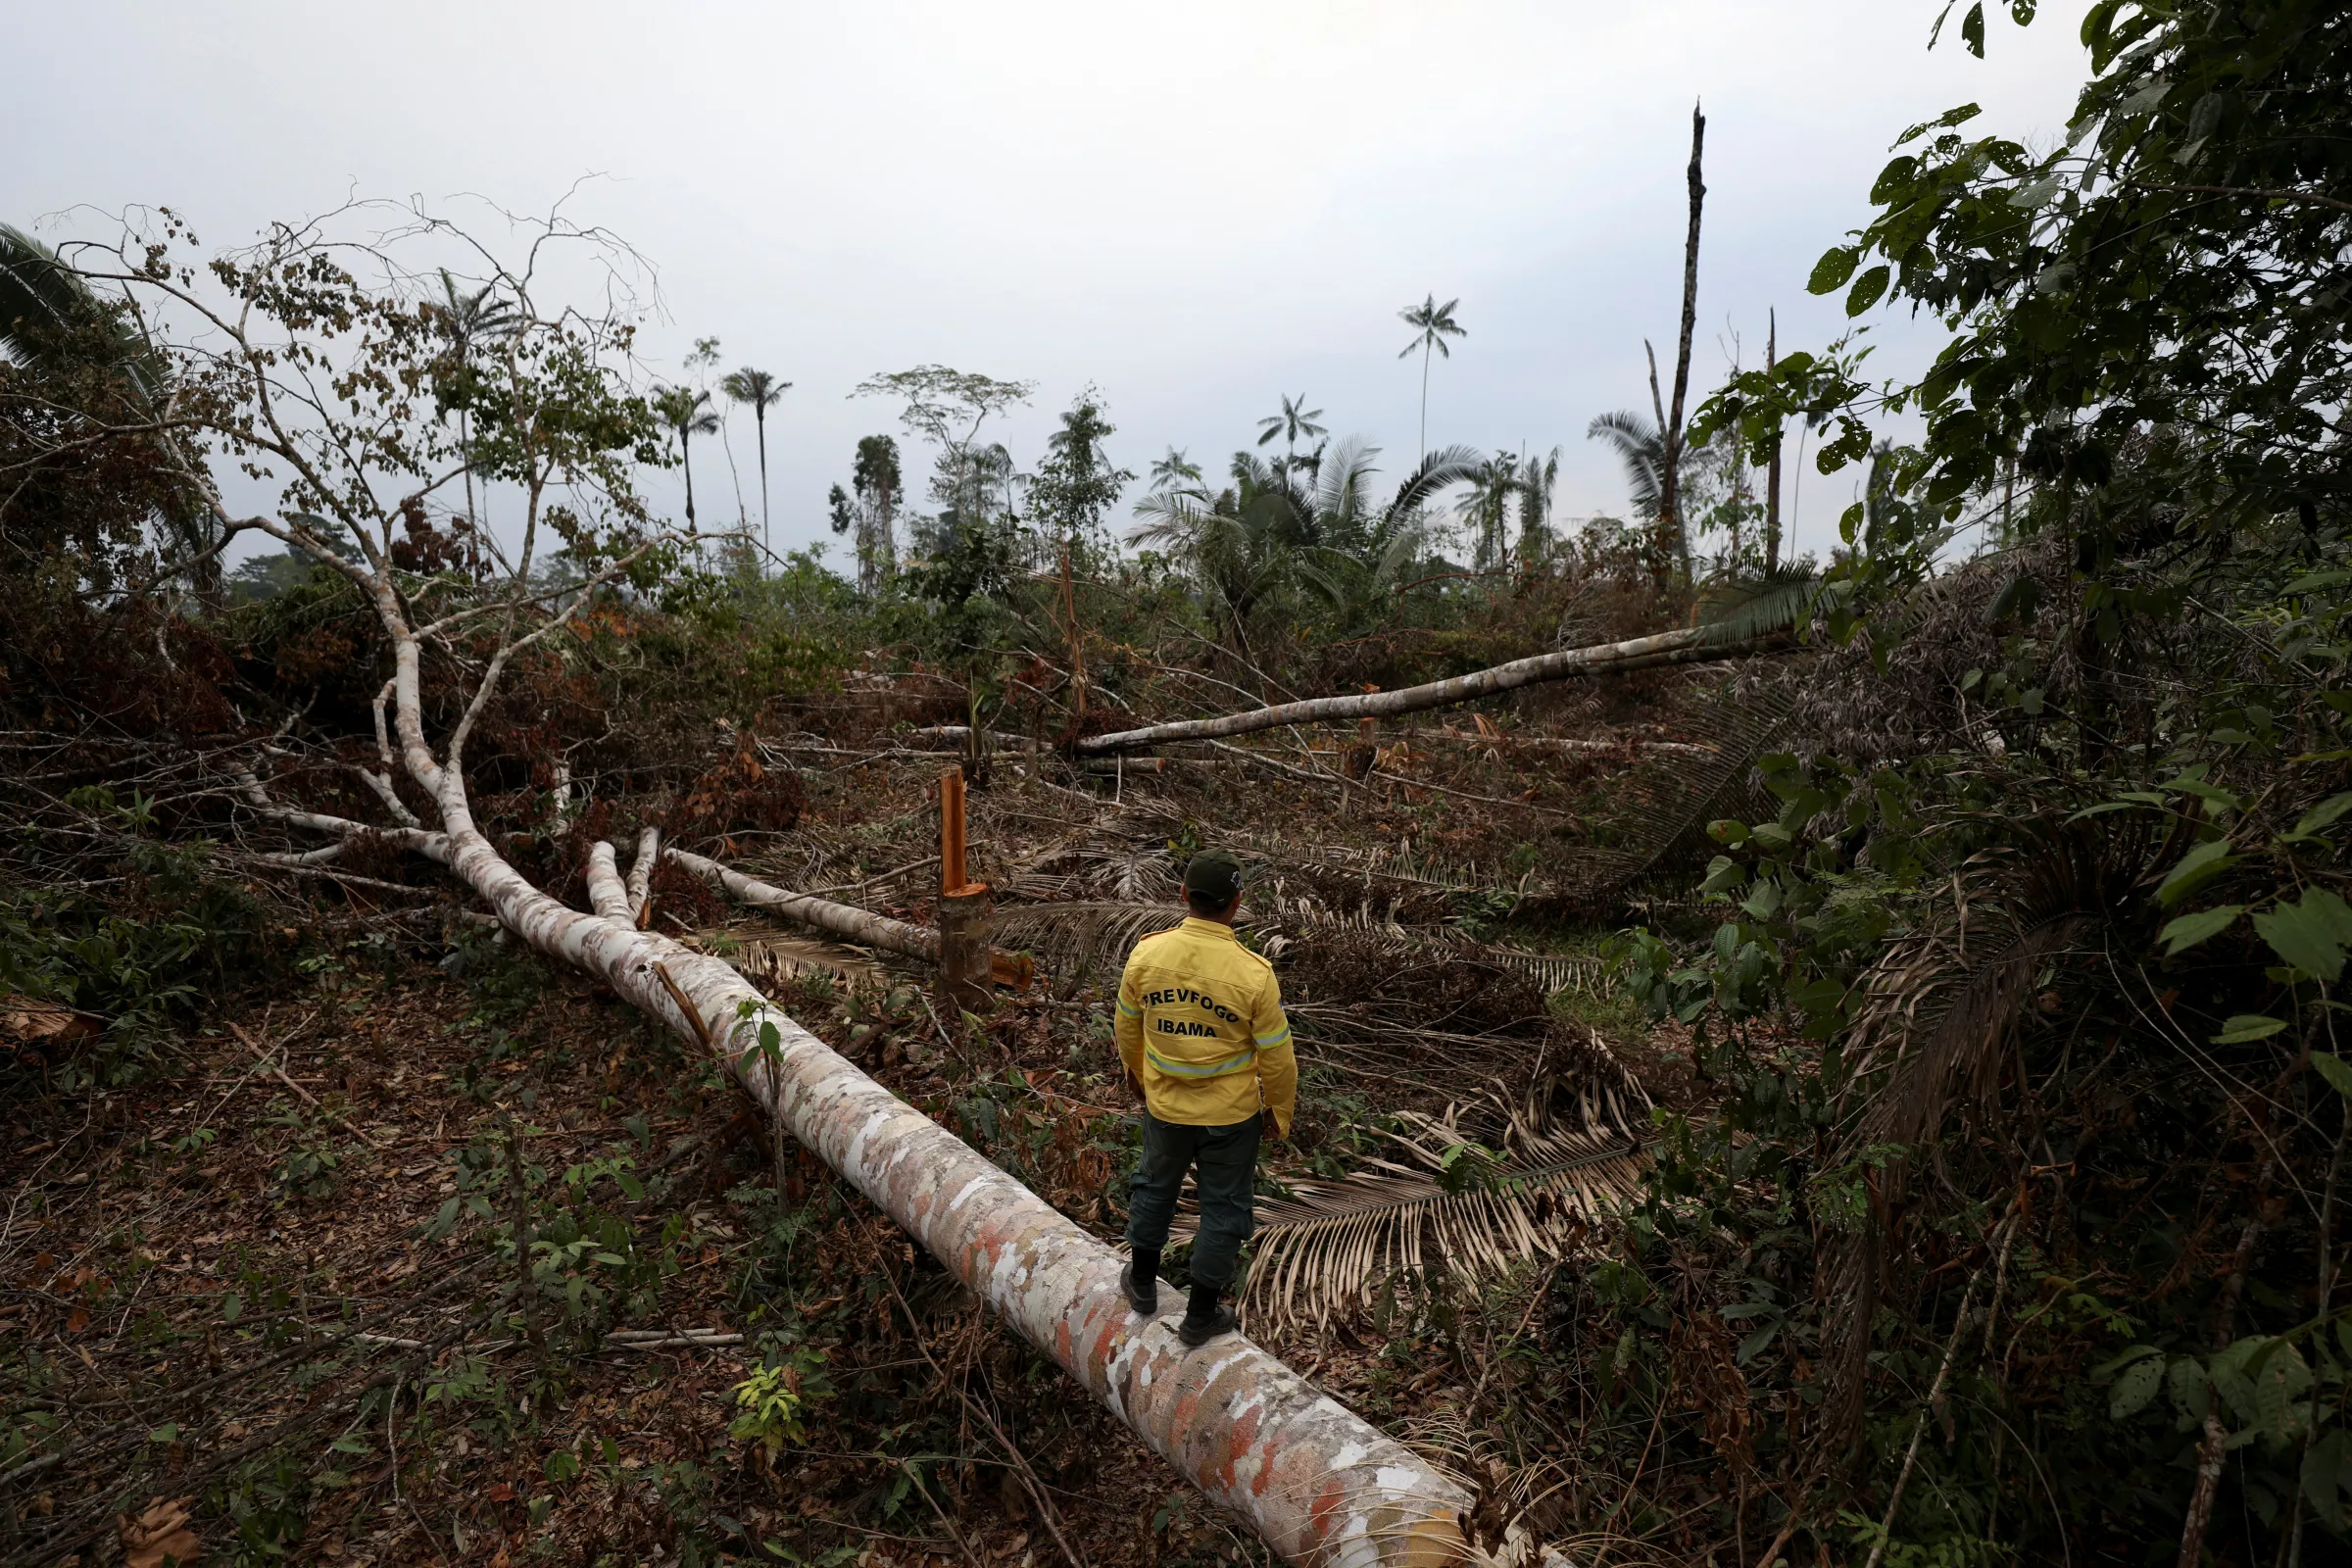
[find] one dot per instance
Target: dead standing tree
(327, 389)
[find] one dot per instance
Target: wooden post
(966, 966)
(950, 832)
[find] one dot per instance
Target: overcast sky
(1198, 207)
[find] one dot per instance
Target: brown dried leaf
(159, 1536)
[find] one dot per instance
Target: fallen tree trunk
(1319, 1485)
(860, 926)
(1685, 646)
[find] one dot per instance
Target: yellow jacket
(1201, 1027)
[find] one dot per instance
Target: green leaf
(1972, 29)
(2197, 868)
(1867, 289)
(2320, 816)
(2322, 1466)
(168, 1432)
(2337, 1070)
(2178, 936)
(1944, 122)
(2318, 580)
(2311, 933)
(232, 1307)
(1831, 271)
(2246, 1027)
(2136, 1387)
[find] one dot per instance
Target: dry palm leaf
(1286, 920)
(763, 953)
(1668, 808)
(1568, 1156)
(1937, 1009)
(1392, 866)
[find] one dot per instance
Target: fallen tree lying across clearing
(1691, 645)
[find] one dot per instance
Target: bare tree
(1673, 542)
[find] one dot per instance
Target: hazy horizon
(1197, 214)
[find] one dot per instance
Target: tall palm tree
(1174, 470)
(1295, 420)
(1641, 445)
(1539, 483)
(1433, 323)
(466, 321)
(763, 392)
(688, 413)
(1487, 508)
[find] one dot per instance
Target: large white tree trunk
(861, 926)
(1685, 647)
(1318, 1484)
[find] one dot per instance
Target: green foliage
(771, 1403)
(141, 955)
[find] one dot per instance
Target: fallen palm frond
(1566, 1154)
(1937, 1011)
(1293, 920)
(779, 956)
(1668, 810)
(1083, 937)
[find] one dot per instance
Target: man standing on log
(1204, 1039)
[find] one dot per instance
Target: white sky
(1199, 206)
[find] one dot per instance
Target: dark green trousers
(1226, 1159)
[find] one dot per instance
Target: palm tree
(1640, 449)
(1433, 324)
(763, 392)
(688, 413)
(1295, 420)
(1333, 537)
(1539, 482)
(1487, 508)
(466, 321)
(1174, 470)
(50, 319)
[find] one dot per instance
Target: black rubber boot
(1206, 1317)
(1140, 1281)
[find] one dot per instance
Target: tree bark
(1687, 646)
(1674, 536)
(641, 875)
(607, 895)
(860, 926)
(1772, 472)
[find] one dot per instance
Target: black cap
(1215, 874)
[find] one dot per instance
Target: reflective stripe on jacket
(1201, 1026)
